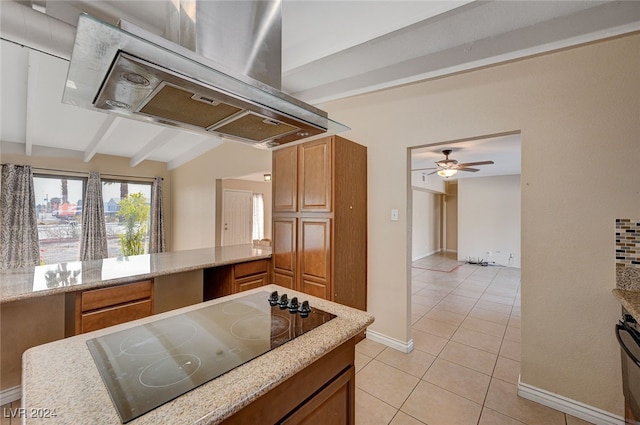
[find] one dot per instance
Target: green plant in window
(134, 213)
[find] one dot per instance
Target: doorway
(478, 213)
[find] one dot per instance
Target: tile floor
(466, 359)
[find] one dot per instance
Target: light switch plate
(394, 215)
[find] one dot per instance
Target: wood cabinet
(285, 180)
(315, 178)
(322, 393)
(231, 279)
(99, 308)
(320, 219)
(284, 250)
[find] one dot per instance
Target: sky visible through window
(60, 226)
(47, 188)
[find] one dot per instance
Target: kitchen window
(59, 214)
(127, 208)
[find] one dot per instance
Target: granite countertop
(630, 300)
(62, 377)
(36, 281)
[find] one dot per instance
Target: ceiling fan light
(447, 172)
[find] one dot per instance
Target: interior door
(237, 217)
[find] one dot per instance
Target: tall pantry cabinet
(320, 219)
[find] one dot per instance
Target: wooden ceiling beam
(161, 139)
(32, 83)
(205, 145)
(101, 136)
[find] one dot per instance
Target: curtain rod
(86, 173)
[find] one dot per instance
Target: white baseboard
(572, 407)
(396, 344)
(10, 395)
(428, 254)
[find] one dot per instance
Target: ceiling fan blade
(422, 169)
(473, 164)
(473, 170)
(431, 173)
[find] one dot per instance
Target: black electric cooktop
(148, 365)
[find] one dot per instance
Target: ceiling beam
(32, 100)
(101, 136)
(157, 142)
(205, 145)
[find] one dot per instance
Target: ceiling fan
(449, 167)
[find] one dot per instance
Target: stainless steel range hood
(128, 71)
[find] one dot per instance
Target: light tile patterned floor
(466, 359)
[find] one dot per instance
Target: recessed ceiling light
(117, 104)
(136, 79)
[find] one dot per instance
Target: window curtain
(156, 237)
(18, 221)
(93, 242)
(258, 216)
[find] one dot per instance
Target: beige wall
(451, 218)
(425, 231)
(194, 188)
(578, 112)
(489, 219)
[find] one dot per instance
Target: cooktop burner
(148, 365)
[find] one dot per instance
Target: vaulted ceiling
(330, 50)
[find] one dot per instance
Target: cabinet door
(315, 256)
(335, 404)
(315, 176)
(284, 251)
(285, 179)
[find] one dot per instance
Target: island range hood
(223, 78)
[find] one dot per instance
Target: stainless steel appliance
(148, 365)
(628, 334)
(218, 73)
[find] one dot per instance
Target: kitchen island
(37, 303)
(37, 281)
(61, 380)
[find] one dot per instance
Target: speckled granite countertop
(61, 376)
(29, 282)
(630, 300)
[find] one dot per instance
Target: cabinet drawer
(250, 268)
(99, 298)
(116, 315)
(250, 283)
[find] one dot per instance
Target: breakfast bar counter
(61, 381)
(37, 281)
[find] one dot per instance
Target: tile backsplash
(628, 254)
